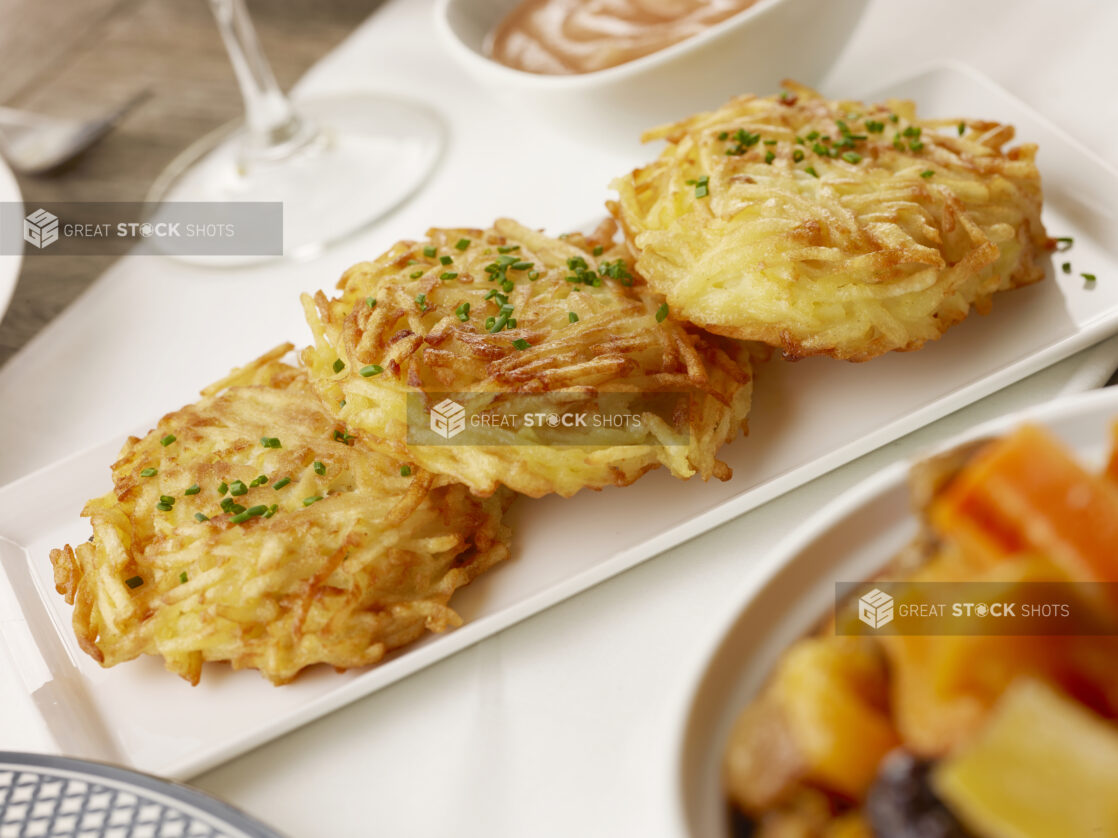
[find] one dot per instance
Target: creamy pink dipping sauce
(562, 37)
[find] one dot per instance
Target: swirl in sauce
(561, 37)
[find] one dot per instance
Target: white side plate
(9, 265)
(809, 417)
(847, 541)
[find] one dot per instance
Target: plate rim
(93, 770)
(784, 555)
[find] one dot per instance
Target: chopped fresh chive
(1064, 243)
(852, 157)
(512, 322)
(769, 157)
(463, 312)
(500, 321)
(339, 365)
(898, 143)
(270, 442)
(341, 402)
(1066, 267)
(521, 266)
(521, 344)
(662, 313)
(462, 244)
(572, 317)
(798, 155)
(319, 467)
(507, 286)
(811, 171)
(912, 131)
(223, 488)
(238, 488)
(770, 142)
(927, 173)
(723, 135)
(743, 141)
(405, 471)
(814, 135)
(916, 145)
(272, 510)
(182, 578)
(448, 275)
(200, 518)
(251, 512)
(193, 490)
(599, 250)
(533, 276)
(416, 274)
(164, 507)
(446, 260)
(149, 472)
(371, 370)
(874, 127)
(430, 252)
(279, 484)
(893, 117)
(1089, 277)
(134, 582)
(821, 150)
(167, 440)
(259, 481)
(371, 302)
(508, 248)
(167, 499)
(231, 506)
(962, 128)
(702, 186)
(421, 301)
(311, 499)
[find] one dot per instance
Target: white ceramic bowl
(847, 541)
(750, 52)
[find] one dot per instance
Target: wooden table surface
(80, 57)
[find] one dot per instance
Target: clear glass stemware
(336, 163)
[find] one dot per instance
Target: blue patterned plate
(56, 797)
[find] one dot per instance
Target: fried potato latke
(251, 527)
(833, 227)
(512, 321)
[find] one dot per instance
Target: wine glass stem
(271, 119)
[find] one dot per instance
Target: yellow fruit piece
(832, 691)
(1043, 767)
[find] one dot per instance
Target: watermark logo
(448, 419)
(108, 228)
(40, 228)
(1007, 607)
(875, 609)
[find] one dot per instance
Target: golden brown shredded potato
(324, 552)
(833, 227)
(515, 321)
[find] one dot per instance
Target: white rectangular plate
(808, 418)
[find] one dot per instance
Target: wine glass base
(370, 154)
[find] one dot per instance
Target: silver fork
(35, 144)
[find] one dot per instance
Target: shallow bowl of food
(853, 540)
(752, 50)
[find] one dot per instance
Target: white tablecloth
(562, 725)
